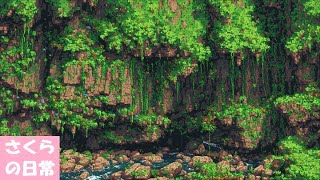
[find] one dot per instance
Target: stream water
(167, 159)
(102, 174)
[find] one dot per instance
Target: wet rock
(147, 163)
(123, 158)
(67, 166)
(236, 158)
(172, 170)
(84, 161)
(242, 168)
(84, 175)
(199, 159)
(186, 158)
(201, 150)
(114, 161)
(99, 163)
(179, 160)
(72, 161)
(183, 173)
(134, 154)
(153, 158)
(223, 154)
(137, 171)
(116, 175)
(78, 167)
(258, 170)
(179, 155)
(224, 164)
(267, 173)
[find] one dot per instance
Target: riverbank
(164, 164)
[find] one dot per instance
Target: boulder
(78, 167)
(224, 164)
(172, 169)
(199, 159)
(99, 163)
(147, 163)
(116, 175)
(84, 161)
(258, 170)
(223, 154)
(84, 175)
(242, 168)
(137, 171)
(153, 158)
(67, 166)
(267, 173)
(186, 158)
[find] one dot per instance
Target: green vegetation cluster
(235, 29)
(213, 171)
(297, 161)
(159, 42)
(306, 27)
(301, 104)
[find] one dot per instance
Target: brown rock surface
(173, 169)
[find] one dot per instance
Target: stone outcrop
(172, 170)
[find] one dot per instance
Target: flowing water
(167, 159)
(102, 174)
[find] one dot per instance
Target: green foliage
(309, 101)
(13, 130)
(22, 54)
(213, 171)
(25, 9)
(108, 135)
(246, 116)
(88, 154)
(236, 30)
(6, 101)
(306, 25)
(303, 162)
(312, 7)
(82, 44)
(128, 27)
(62, 8)
(139, 173)
(4, 129)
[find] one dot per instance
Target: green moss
(25, 9)
(213, 171)
(306, 24)
(236, 29)
(309, 101)
(303, 163)
(62, 8)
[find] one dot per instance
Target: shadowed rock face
(197, 87)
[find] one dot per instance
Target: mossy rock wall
(94, 67)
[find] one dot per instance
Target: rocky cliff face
(102, 72)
